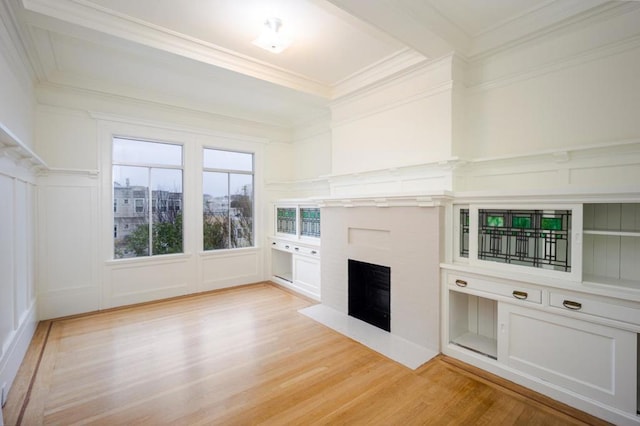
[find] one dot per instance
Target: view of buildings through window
(227, 184)
(147, 198)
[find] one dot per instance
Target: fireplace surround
(407, 240)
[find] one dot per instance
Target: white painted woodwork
(68, 243)
(225, 269)
(586, 359)
(18, 298)
(18, 166)
(473, 323)
(408, 111)
(542, 107)
(595, 361)
(295, 264)
(612, 243)
(306, 274)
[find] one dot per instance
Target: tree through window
(147, 171)
(227, 215)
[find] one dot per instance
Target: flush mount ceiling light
(271, 39)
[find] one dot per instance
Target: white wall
(556, 111)
(567, 89)
(16, 86)
(404, 121)
(74, 136)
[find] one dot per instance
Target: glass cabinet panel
(286, 220)
(535, 238)
(310, 222)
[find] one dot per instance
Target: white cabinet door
(306, 275)
(596, 361)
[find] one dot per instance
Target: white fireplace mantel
(434, 199)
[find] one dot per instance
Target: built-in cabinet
(548, 296)
(295, 248)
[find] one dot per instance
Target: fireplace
(369, 288)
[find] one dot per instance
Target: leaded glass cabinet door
(310, 222)
(286, 220)
(537, 239)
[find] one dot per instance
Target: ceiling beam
(414, 23)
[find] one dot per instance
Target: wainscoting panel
(224, 270)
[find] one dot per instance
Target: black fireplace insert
(370, 293)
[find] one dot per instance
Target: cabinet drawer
(522, 293)
(282, 245)
(315, 252)
(585, 305)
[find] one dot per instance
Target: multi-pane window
(149, 173)
(227, 214)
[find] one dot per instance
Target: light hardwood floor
(246, 356)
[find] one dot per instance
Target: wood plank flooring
(245, 356)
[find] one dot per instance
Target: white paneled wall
(68, 244)
(17, 296)
(77, 270)
(18, 316)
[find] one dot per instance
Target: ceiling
(198, 53)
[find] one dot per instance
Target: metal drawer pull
(297, 249)
(273, 243)
(461, 283)
(572, 305)
(286, 247)
(314, 252)
(522, 295)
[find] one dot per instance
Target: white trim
(383, 70)
(566, 62)
(12, 146)
(115, 118)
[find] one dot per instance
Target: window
(146, 171)
(227, 215)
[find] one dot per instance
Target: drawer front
(521, 293)
(583, 305)
(282, 245)
(307, 251)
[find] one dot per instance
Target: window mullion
(229, 207)
(150, 217)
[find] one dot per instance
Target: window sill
(162, 258)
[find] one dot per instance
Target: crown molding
(93, 17)
(15, 45)
(417, 70)
(549, 21)
(57, 89)
(116, 118)
(377, 72)
(565, 62)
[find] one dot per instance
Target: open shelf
(612, 233)
(281, 266)
(478, 343)
(473, 323)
